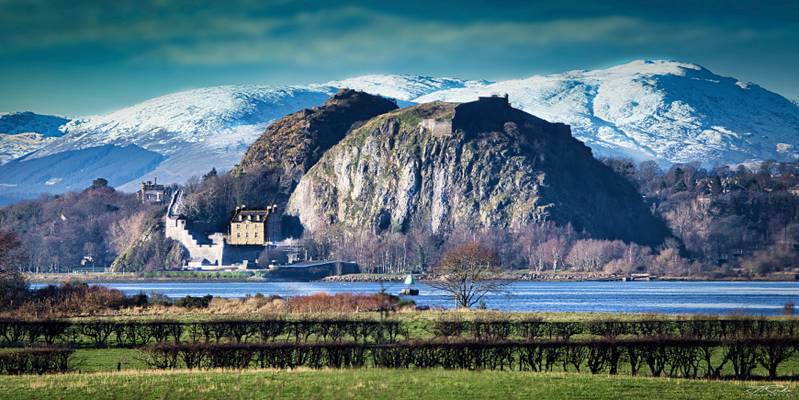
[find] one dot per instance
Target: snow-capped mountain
(666, 111)
(403, 87)
(220, 117)
(661, 110)
(25, 132)
(194, 130)
(211, 127)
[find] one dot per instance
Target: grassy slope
(372, 384)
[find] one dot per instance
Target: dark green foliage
(210, 202)
(194, 302)
(99, 183)
(12, 285)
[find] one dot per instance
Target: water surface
(753, 298)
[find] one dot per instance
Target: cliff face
(294, 143)
(481, 164)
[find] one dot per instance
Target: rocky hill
(481, 163)
(293, 144)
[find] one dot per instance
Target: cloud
(182, 34)
(355, 35)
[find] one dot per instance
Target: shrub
(343, 302)
(35, 361)
(194, 302)
(676, 357)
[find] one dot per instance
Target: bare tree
(592, 254)
(468, 272)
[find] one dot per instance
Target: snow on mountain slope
(666, 111)
(660, 110)
(25, 132)
(220, 117)
(403, 87)
(211, 127)
(195, 130)
(17, 145)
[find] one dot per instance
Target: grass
(372, 384)
(97, 360)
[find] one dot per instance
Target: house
(254, 227)
(151, 192)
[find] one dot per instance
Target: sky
(83, 57)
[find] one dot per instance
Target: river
(752, 298)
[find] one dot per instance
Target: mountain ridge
(666, 111)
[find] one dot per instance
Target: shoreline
(57, 278)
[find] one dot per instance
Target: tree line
(726, 221)
(93, 227)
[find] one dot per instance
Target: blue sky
(80, 57)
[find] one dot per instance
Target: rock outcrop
(480, 164)
(294, 143)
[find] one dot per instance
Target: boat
(409, 290)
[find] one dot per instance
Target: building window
(238, 235)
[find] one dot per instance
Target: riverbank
(161, 276)
(260, 276)
(509, 276)
(562, 276)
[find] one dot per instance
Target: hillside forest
(725, 222)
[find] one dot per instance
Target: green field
(376, 384)
(121, 372)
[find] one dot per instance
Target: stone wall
(175, 228)
(212, 253)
